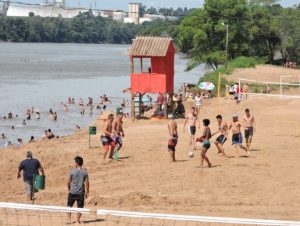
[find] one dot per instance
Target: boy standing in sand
(78, 187)
(237, 138)
(173, 137)
(223, 127)
(192, 120)
(249, 124)
(106, 137)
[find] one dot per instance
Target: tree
(203, 34)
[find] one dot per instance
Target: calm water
(44, 75)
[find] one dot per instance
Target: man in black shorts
(78, 186)
(221, 139)
(106, 137)
(173, 137)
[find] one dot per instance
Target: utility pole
(227, 37)
(227, 42)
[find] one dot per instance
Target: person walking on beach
(30, 168)
(198, 102)
(191, 119)
(119, 132)
(249, 124)
(173, 137)
(205, 143)
(237, 138)
(78, 187)
(222, 138)
(106, 138)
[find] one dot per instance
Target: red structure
(159, 78)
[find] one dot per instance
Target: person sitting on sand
(45, 135)
(237, 138)
(30, 168)
(173, 137)
(219, 142)
(50, 134)
(31, 139)
(106, 137)
(205, 143)
(249, 124)
(78, 187)
(192, 119)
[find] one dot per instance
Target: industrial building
(57, 8)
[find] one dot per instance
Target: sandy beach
(264, 185)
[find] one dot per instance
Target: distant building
(17, 10)
(135, 16)
(57, 8)
(134, 13)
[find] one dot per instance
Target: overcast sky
(123, 4)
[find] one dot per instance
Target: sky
(123, 4)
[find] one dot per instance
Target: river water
(44, 75)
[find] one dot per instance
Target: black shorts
(106, 140)
(221, 139)
(72, 198)
(249, 132)
(172, 143)
(206, 144)
(192, 130)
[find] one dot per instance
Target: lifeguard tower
(159, 78)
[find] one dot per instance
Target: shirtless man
(222, 138)
(192, 119)
(249, 124)
(245, 91)
(106, 137)
(237, 138)
(173, 137)
(119, 132)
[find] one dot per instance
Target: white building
(133, 13)
(17, 10)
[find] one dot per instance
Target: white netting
(12, 214)
(287, 87)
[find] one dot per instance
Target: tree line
(85, 28)
(257, 28)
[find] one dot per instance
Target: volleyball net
(287, 87)
(12, 214)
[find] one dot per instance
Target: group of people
(112, 135)
(235, 127)
(290, 64)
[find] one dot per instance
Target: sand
(265, 185)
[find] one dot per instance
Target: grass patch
(240, 62)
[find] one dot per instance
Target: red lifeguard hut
(159, 77)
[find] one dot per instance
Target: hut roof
(150, 46)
